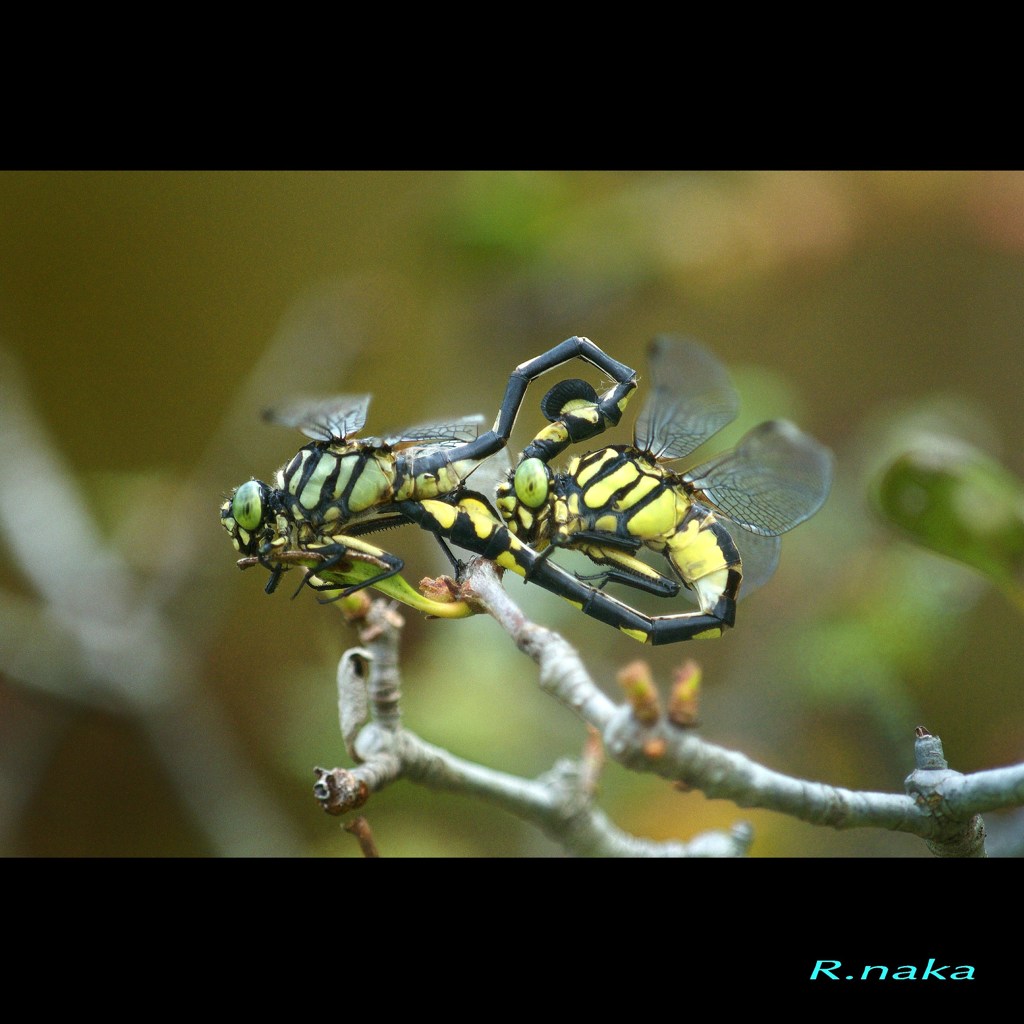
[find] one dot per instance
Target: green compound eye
(531, 483)
(247, 505)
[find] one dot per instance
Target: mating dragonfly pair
(717, 524)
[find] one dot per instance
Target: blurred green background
(147, 317)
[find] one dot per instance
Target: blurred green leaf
(952, 498)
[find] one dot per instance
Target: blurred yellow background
(147, 318)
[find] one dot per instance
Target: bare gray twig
(941, 806)
(560, 802)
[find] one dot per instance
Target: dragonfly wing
(774, 479)
(322, 419)
(448, 433)
(691, 399)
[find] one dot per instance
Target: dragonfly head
(524, 499)
(246, 514)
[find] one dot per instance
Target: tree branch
(940, 805)
(560, 802)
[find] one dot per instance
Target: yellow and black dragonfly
(340, 486)
(717, 524)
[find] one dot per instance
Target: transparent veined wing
(446, 434)
(759, 554)
(774, 479)
(322, 419)
(691, 399)
(337, 418)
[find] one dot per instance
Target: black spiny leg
(337, 554)
(610, 549)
